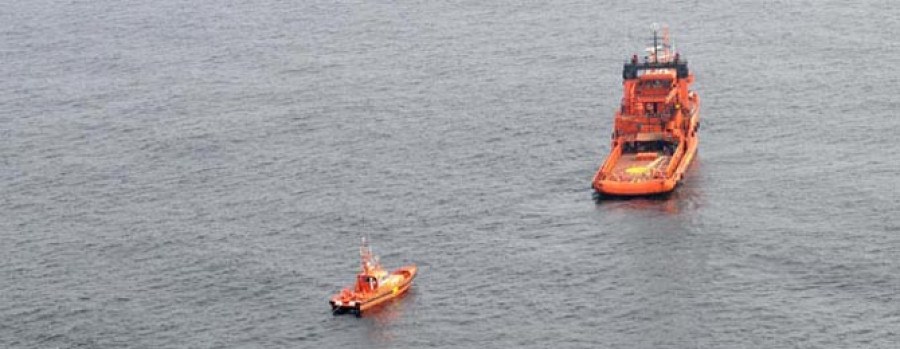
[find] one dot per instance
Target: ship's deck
(639, 166)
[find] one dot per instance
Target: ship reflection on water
(380, 321)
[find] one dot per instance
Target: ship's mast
(655, 48)
(365, 253)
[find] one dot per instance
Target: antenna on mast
(655, 45)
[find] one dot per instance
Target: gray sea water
(196, 174)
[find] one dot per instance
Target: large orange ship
(655, 134)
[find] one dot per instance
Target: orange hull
(645, 187)
(608, 183)
(392, 286)
(655, 138)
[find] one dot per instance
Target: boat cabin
(366, 283)
(656, 81)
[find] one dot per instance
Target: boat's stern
(345, 302)
(613, 187)
(636, 173)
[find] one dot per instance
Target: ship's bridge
(656, 86)
(657, 74)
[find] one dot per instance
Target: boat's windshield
(657, 146)
(655, 84)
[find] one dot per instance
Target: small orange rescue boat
(374, 285)
(655, 136)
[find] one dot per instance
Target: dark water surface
(197, 174)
